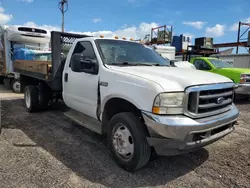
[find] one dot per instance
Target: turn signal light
(243, 78)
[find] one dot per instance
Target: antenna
(63, 6)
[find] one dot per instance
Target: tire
(2, 79)
(141, 150)
(15, 86)
(44, 96)
(31, 98)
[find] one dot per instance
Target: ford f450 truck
(128, 92)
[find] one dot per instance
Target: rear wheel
(1, 79)
(44, 96)
(31, 98)
(7, 83)
(16, 86)
(127, 141)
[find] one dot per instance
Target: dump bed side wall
(56, 60)
(40, 70)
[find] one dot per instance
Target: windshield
(116, 52)
(218, 63)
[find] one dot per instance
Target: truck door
(80, 84)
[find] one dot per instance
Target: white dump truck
(17, 42)
(128, 92)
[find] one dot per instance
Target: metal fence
(238, 60)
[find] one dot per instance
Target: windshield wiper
(132, 64)
(161, 65)
(138, 64)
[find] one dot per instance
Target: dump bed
(49, 71)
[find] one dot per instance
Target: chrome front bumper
(171, 135)
(243, 89)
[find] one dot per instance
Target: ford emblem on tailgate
(220, 100)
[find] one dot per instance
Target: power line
(63, 6)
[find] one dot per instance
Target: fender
(111, 96)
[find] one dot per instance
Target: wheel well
(116, 105)
(26, 80)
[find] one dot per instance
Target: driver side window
(201, 65)
(86, 49)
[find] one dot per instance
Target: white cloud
(235, 26)
(96, 20)
(196, 24)
(128, 32)
(216, 31)
(28, 1)
(4, 18)
(189, 35)
(2, 10)
(48, 27)
(125, 31)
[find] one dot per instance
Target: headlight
(243, 78)
(168, 103)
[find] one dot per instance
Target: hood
(236, 70)
(173, 78)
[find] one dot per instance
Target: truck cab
(128, 92)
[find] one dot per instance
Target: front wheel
(127, 141)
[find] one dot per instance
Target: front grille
(207, 100)
(27, 29)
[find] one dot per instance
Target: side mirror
(82, 63)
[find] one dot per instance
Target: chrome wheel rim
(123, 142)
(16, 86)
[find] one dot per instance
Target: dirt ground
(46, 150)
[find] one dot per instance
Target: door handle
(66, 77)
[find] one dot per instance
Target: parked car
(240, 76)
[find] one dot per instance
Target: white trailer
(14, 37)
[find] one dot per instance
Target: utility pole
(63, 6)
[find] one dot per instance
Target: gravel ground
(46, 150)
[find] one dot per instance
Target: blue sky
(132, 18)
